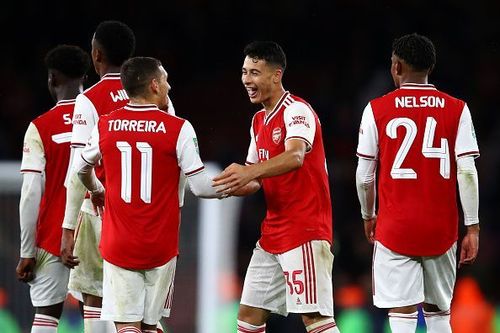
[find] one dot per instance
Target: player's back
(417, 130)
(54, 128)
(139, 152)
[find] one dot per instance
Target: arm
(190, 163)
(469, 198)
(365, 185)
(33, 164)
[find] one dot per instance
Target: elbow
(297, 160)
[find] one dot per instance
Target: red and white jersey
(417, 133)
(143, 151)
(298, 203)
(46, 150)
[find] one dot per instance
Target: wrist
(473, 229)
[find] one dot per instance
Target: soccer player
(43, 196)
(422, 142)
(113, 43)
(143, 151)
(291, 267)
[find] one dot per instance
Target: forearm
(201, 186)
(29, 206)
(365, 185)
(468, 186)
(250, 188)
(75, 194)
(285, 162)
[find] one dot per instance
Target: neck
(69, 90)
(419, 78)
(105, 69)
(271, 102)
(142, 100)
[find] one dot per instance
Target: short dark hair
(70, 60)
(416, 50)
(269, 51)
(116, 40)
(136, 73)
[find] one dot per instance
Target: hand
(470, 246)
(25, 269)
(97, 198)
(233, 178)
(370, 225)
(67, 247)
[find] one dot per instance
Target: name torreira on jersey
(136, 126)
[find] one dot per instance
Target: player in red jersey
(143, 151)
(113, 43)
(43, 196)
(291, 267)
(422, 141)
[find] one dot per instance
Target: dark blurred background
(338, 59)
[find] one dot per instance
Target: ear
(155, 86)
(278, 75)
(52, 78)
(97, 55)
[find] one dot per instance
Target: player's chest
(270, 139)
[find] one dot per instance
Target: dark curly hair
(70, 60)
(269, 51)
(416, 50)
(116, 40)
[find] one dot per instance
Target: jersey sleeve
(368, 136)
(91, 154)
(188, 155)
(252, 156)
(33, 151)
(84, 119)
(466, 142)
(300, 123)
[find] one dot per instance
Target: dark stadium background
(338, 59)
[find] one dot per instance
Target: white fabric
(403, 323)
(324, 326)
(404, 281)
(92, 322)
(44, 324)
(466, 141)
(267, 286)
(33, 151)
(50, 285)
(75, 194)
(368, 135)
(252, 156)
(244, 327)
(136, 295)
(300, 123)
(84, 119)
(365, 185)
(29, 207)
(438, 322)
(91, 154)
(201, 185)
(468, 189)
(87, 276)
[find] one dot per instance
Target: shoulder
(451, 100)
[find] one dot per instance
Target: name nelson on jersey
(116, 125)
(420, 102)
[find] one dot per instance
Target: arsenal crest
(277, 135)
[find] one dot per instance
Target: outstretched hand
(25, 269)
(67, 247)
(470, 246)
(232, 179)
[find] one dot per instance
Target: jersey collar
(111, 76)
(276, 107)
(141, 107)
(421, 86)
(66, 102)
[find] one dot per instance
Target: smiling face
(261, 80)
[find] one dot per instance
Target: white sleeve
(368, 136)
(171, 109)
(33, 151)
(188, 157)
(91, 154)
(468, 189)
(252, 156)
(300, 123)
(466, 142)
(84, 119)
(365, 185)
(29, 206)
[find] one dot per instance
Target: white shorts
(137, 295)
(400, 280)
(50, 285)
(87, 276)
(297, 281)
